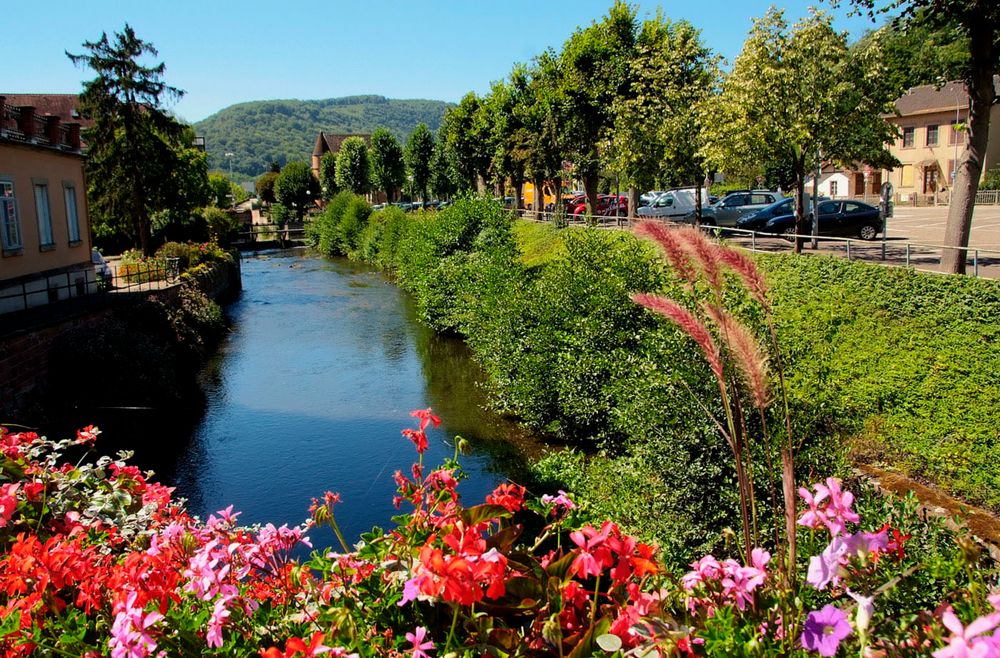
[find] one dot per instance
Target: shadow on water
(309, 392)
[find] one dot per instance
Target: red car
(608, 205)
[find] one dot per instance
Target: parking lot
(914, 237)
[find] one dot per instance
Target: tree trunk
(590, 180)
(557, 185)
(538, 202)
(633, 202)
(800, 211)
(518, 186)
(970, 164)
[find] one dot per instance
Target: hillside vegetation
(261, 132)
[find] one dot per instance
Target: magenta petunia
(824, 629)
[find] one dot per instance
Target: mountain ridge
(281, 130)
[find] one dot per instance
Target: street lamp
(230, 157)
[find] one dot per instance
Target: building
(44, 228)
(931, 124)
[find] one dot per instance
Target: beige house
(931, 122)
(330, 143)
(44, 229)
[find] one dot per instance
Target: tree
(328, 175)
(296, 187)
(795, 94)
(265, 186)
(540, 110)
(595, 73)
(656, 124)
(225, 193)
(979, 23)
(352, 166)
(465, 133)
(388, 171)
(134, 145)
(443, 174)
(419, 151)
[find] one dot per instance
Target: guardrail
(903, 253)
(86, 284)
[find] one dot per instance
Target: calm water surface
(310, 391)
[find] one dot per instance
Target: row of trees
(387, 166)
(646, 101)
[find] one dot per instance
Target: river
(309, 393)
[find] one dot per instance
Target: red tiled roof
(60, 105)
(327, 142)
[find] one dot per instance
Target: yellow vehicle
(548, 194)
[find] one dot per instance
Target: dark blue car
(836, 218)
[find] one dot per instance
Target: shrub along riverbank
(885, 365)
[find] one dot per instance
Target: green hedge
(895, 367)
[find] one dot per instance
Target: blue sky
(222, 53)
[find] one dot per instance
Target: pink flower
(426, 418)
(562, 500)
(129, 632)
(213, 637)
(8, 502)
(594, 556)
(419, 646)
(967, 642)
(707, 568)
(830, 507)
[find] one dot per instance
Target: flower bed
(98, 560)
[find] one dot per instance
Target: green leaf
(609, 642)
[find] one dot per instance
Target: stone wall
(24, 353)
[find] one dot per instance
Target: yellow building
(932, 126)
(44, 230)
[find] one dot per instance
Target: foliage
(296, 188)
(223, 226)
(225, 193)
(443, 177)
(388, 171)
(353, 168)
(338, 228)
(418, 155)
(328, 175)
(265, 186)
(465, 136)
(766, 113)
(991, 181)
(139, 157)
(259, 133)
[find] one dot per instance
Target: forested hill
(261, 132)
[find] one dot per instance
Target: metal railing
(982, 261)
(988, 197)
(86, 284)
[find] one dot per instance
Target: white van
(674, 203)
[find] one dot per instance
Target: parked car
(756, 220)
(105, 277)
(836, 218)
(648, 198)
(733, 206)
(673, 204)
(608, 205)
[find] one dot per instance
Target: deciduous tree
(979, 23)
(328, 175)
(296, 187)
(794, 93)
(353, 172)
(419, 152)
(265, 186)
(388, 171)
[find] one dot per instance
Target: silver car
(734, 206)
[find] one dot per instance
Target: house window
(10, 227)
(957, 134)
(833, 188)
(45, 239)
(932, 135)
(908, 137)
(72, 218)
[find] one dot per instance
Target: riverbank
(888, 367)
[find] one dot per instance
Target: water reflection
(312, 388)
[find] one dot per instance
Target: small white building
(833, 184)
